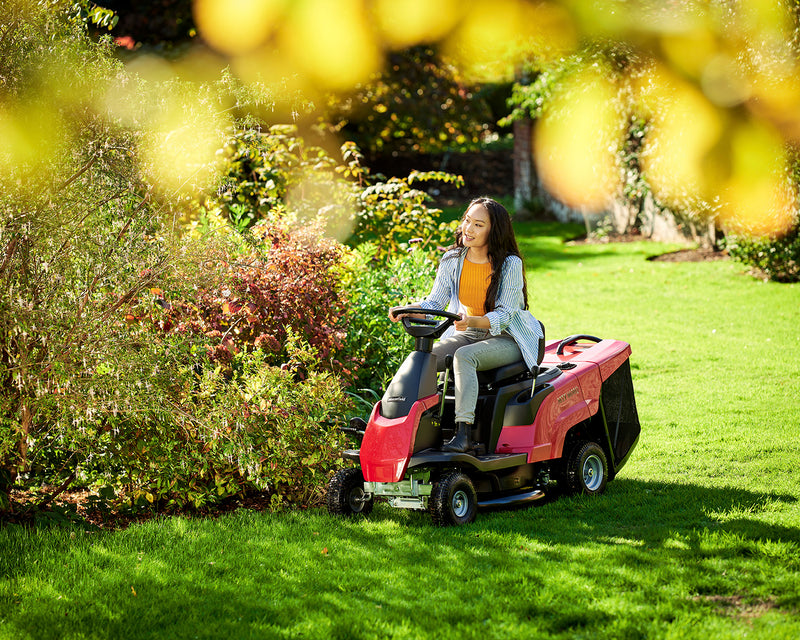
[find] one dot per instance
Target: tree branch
(80, 172)
(11, 248)
(58, 491)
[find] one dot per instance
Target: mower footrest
(515, 499)
(352, 454)
(491, 462)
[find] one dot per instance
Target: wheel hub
(460, 504)
(357, 499)
(592, 473)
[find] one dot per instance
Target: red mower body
(388, 444)
(571, 422)
(575, 397)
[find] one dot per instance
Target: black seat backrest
(540, 356)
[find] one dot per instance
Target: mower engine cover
(388, 443)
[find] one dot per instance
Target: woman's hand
(396, 317)
(474, 322)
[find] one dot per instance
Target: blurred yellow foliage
(332, 41)
(707, 60)
(721, 93)
(237, 27)
(403, 24)
(576, 141)
(686, 126)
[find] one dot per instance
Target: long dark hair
(502, 243)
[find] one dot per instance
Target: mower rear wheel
(453, 500)
(346, 495)
(587, 469)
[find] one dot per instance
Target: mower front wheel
(346, 495)
(587, 469)
(453, 500)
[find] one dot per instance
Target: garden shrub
(272, 174)
(258, 428)
(80, 240)
(208, 435)
(419, 103)
(393, 213)
(94, 372)
(179, 417)
(373, 285)
(771, 257)
(284, 281)
(264, 168)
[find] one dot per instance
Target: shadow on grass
(652, 512)
(639, 512)
(309, 574)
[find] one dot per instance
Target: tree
(79, 232)
(419, 104)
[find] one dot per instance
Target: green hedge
(773, 258)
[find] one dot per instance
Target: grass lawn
(698, 537)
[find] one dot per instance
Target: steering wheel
(426, 327)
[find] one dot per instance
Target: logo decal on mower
(566, 396)
(396, 399)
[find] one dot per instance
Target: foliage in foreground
(80, 237)
(158, 366)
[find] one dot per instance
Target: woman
(481, 277)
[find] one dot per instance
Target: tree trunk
(10, 466)
(523, 164)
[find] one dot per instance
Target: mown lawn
(698, 537)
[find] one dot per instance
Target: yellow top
(472, 288)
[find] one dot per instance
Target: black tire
(346, 495)
(587, 469)
(453, 500)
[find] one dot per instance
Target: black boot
(460, 442)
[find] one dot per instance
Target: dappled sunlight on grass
(632, 559)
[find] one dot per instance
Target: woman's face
(475, 227)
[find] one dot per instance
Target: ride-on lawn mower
(573, 420)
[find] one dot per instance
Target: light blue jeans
(473, 350)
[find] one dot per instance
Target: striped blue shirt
(509, 314)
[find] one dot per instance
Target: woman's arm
(472, 322)
(509, 298)
(443, 286)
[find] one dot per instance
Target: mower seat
(492, 377)
(495, 376)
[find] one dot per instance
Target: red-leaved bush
(288, 282)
